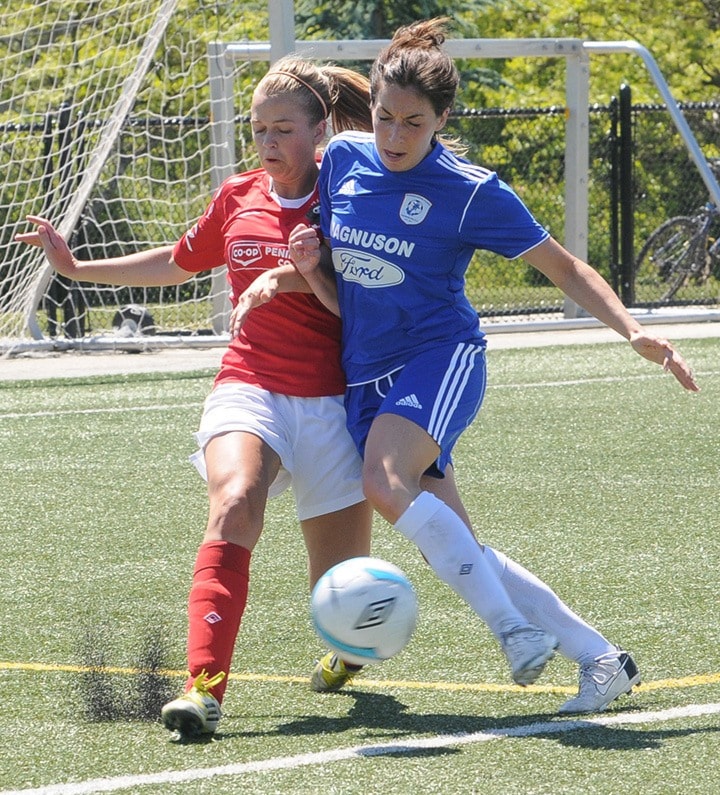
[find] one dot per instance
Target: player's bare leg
(330, 539)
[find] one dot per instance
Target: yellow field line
(677, 683)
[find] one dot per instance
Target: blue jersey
(402, 242)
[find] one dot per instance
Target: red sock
(216, 604)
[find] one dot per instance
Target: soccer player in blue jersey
(403, 214)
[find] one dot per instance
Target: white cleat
(195, 713)
(602, 681)
(528, 649)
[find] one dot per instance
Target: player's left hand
(661, 351)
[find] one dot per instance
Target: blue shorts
(440, 390)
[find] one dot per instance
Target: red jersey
(291, 345)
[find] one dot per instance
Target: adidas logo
(347, 188)
(409, 400)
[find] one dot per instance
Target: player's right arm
(284, 279)
(311, 272)
(150, 268)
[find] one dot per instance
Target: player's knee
(384, 491)
(235, 510)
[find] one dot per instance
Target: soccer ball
(364, 609)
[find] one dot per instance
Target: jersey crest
(414, 208)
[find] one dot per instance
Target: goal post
(118, 161)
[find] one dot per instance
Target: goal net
(105, 130)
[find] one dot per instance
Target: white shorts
(318, 457)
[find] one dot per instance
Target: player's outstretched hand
(56, 250)
(661, 351)
(304, 248)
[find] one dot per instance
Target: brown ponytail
(350, 93)
(342, 94)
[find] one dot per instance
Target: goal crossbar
(577, 93)
(574, 51)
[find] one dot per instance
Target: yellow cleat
(331, 673)
(197, 712)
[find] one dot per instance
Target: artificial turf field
(586, 464)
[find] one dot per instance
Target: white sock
(544, 608)
(456, 557)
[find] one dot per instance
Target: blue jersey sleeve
(498, 220)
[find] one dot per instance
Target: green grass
(586, 464)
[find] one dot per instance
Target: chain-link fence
(527, 148)
(667, 184)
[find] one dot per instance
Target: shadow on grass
(621, 738)
(385, 718)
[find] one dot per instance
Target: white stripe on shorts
(451, 389)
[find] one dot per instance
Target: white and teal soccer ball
(364, 609)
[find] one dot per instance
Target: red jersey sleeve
(203, 247)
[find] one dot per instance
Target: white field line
(380, 749)
(21, 415)
(607, 379)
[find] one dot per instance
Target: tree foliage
(683, 38)
(375, 19)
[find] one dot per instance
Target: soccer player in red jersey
(275, 417)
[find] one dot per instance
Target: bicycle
(681, 248)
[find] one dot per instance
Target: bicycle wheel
(667, 257)
(691, 265)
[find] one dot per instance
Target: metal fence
(629, 196)
(526, 147)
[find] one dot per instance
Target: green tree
(683, 38)
(375, 19)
